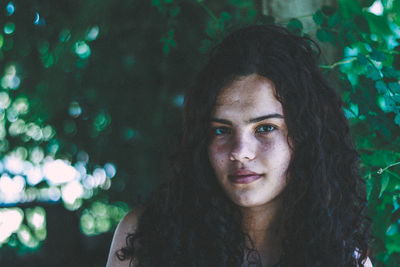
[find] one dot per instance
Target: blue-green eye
(265, 128)
(221, 130)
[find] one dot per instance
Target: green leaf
(378, 24)
(396, 6)
(295, 26)
(166, 49)
(348, 114)
(362, 59)
(396, 16)
(378, 56)
(168, 41)
(395, 216)
(396, 98)
(373, 73)
(205, 46)
(393, 174)
(212, 29)
(160, 7)
(346, 96)
(395, 87)
(396, 58)
(361, 23)
(224, 17)
(369, 186)
(350, 36)
(322, 35)
(318, 17)
(362, 47)
(390, 105)
(333, 20)
(384, 183)
(328, 10)
(366, 3)
(390, 72)
(381, 87)
(392, 244)
(155, 2)
(345, 84)
(240, 3)
(325, 36)
(376, 185)
(397, 119)
(174, 11)
(349, 8)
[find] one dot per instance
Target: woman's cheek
(265, 143)
(218, 154)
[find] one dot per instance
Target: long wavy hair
(189, 221)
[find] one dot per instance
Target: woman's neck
(263, 225)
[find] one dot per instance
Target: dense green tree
(94, 89)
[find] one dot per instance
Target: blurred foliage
(368, 72)
(91, 92)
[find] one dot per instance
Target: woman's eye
(265, 128)
(221, 130)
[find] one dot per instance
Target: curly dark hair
(189, 221)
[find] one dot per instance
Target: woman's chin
(254, 201)
(247, 202)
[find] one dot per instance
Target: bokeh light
(23, 169)
(38, 20)
(93, 33)
(376, 8)
(11, 189)
(9, 28)
(101, 216)
(21, 105)
(13, 164)
(59, 171)
(65, 35)
(75, 109)
(102, 121)
(4, 100)
(110, 170)
(10, 79)
(178, 100)
(71, 193)
(26, 237)
(82, 49)
(10, 8)
(10, 221)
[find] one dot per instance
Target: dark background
(109, 77)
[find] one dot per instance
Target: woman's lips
(244, 178)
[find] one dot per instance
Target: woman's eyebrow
(269, 116)
(254, 120)
(221, 121)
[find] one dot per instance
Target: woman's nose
(242, 149)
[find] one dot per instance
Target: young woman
(265, 174)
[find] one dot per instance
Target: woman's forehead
(250, 94)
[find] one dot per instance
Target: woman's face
(248, 148)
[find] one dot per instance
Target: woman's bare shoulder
(368, 263)
(126, 226)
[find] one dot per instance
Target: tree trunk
(285, 10)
